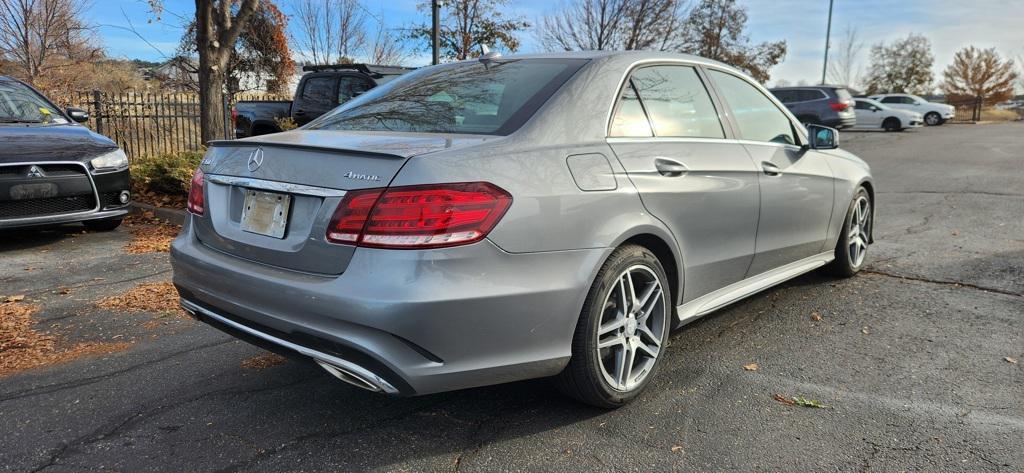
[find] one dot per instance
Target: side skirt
(710, 302)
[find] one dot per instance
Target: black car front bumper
(49, 192)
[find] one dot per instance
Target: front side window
(677, 102)
(20, 104)
(862, 105)
(757, 116)
(494, 97)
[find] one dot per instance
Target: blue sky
(950, 24)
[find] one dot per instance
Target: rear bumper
(410, 322)
(842, 122)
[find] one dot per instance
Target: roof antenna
(486, 55)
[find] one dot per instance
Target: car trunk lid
(307, 173)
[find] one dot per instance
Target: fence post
(977, 109)
(97, 110)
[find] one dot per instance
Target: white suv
(934, 113)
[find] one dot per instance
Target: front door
(796, 184)
(668, 136)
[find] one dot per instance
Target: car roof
(820, 86)
(632, 56)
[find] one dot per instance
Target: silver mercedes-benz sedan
(508, 218)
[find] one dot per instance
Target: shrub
(286, 123)
(169, 173)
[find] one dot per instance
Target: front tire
(852, 247)
(622, 332)
(104, 225)
(933, 119)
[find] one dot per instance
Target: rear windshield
(473, 97)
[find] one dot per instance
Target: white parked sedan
(874, 115)
(933, 113)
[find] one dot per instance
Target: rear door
(668, 135)
(316, 97)
(796, 185)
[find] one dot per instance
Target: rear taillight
(430, 216)
(838, 106)
(196, 202)
(234, 115)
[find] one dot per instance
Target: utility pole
(828, 34)
(435, 8)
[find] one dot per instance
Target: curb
(175, 216)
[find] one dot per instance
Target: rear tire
(104, 225)
(620, 339)
(855, 236)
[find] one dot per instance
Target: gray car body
(505, 308)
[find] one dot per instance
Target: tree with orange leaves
(979, 73)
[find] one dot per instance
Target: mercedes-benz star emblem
(36, 171)
(255, 159)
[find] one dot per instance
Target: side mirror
(78, 115)
(874, 108)
(822, 137)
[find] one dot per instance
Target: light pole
(828, 34)
(435, 9)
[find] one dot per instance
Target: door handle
(669, 167)
(770, 169)
(300, 112)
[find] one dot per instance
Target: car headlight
(113, 160)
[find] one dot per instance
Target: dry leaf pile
(260, 362)
(159, 298)
(157, 199)
(149, 233)
(22, 347)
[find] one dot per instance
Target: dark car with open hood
(54, 170)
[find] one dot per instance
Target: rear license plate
(265, 213)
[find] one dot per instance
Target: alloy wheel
(932, 119)
(860, 227)
(633, 323)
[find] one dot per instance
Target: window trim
(727, 125)
(799, 133)
(618, 103)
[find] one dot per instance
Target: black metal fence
(967, 110)
(145, 124)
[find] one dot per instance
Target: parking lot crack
(942, 282)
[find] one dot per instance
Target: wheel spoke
(648, 306)
(632, 292)
(645, 331)
(613, 325)
(611, 342)
(622, 295)
(652, 351)
(624, 365)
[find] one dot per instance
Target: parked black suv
(53, 170)
(819, 104)
(319, 91)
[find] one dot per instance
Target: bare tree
(844, 66)
(218, 26)
(979, 73)
(38, 36)
(331, 31)
(468, 24)
(384, 47)
(614, 25)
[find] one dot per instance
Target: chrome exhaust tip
(348, 376)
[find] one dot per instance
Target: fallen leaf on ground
(815, 316)
(22, 347)
(265, 360)
(17, 298)
(677, 448)
(750, 366)
(1010, 360)
(149, 234)
(865, 331)
(798, 401)
(160, 298)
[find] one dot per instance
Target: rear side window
(807, 95)
(757, 116)
(351, 86)
(785, 96)
(319, 89)
(677, 102)
(630, 120)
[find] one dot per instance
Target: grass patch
(997, 115)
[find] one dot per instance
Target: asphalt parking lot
(912, 360)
